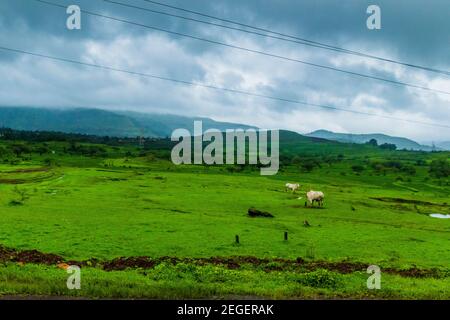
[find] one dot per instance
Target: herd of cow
(312, 196)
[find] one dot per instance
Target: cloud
(34, 81)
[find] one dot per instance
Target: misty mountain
(132, 124)
(444, 145)
(102, 122)
(401, 143)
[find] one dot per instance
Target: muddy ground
(234, 262)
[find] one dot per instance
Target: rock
(252, 212)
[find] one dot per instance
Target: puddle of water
(440, 216)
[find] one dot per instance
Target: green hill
(401, 143)
(101, 122)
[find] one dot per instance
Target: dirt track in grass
(235, 262)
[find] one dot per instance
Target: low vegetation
(141, 227)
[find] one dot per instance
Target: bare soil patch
(233, 262)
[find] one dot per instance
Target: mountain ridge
(101, 122)
(400, 142)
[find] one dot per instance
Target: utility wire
(213, 87)
(251, 50)
(269, 32)
(217, 25)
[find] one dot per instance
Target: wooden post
(285, 236)
(237, 239)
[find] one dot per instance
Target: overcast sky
(412, 31)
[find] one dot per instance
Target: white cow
(292, 186)
(315, 196)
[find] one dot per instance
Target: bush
(20, 149)
(15, 203)
(296, 160)
(408, 169)
(439, 169)
(372, 142)
(320, 278)
(421, 162)
(393, 166)
(358, 168)
(49, 162)
(388, 146)
(309, 164)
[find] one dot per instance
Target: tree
(439, 168)
(18, 149)
(309, 164)
(372, 142)
(42, 150)
(388, 146)
(358, 168)
(408, 169)
(3, 151)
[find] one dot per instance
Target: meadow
(141, 227)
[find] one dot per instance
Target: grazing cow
(315, 196)
(292, 186)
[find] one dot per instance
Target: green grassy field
(127, 204)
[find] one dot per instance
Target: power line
(251, 50)
(299, 39)
(218, 25)
(217, 88)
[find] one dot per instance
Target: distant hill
(132, 124)
(292, 143)
(401, 143)
(444, 145)
(102, 122)
(162, 125)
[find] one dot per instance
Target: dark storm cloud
(416, 30)
(413, 31)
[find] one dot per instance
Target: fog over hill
(103, 122)
(401, 143)
(131, 124)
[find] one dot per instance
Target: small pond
(440, 216)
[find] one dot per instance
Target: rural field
(141, 227)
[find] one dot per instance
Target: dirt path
(234, 262)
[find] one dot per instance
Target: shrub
(439, 168)
(358, 168)
(19, 149)
(309, 164)
(393, 164)
(408, 169)
(320, 278)
(15, 203)
(372, 142)
(296, 160)
(388, 146)
(421, 162)
(49, 162)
